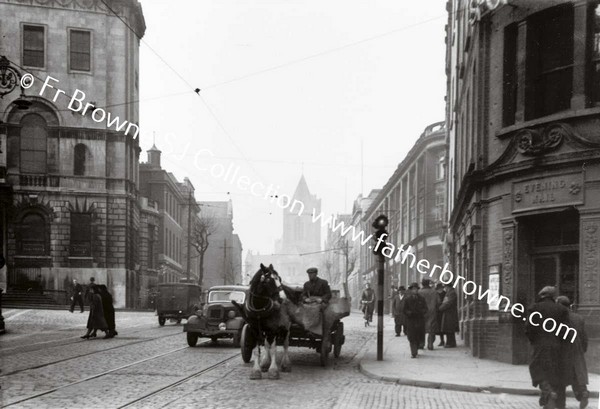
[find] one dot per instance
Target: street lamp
(9, 78)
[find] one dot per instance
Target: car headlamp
(222, 326)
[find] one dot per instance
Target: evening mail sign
(546, 192)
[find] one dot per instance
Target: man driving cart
(316, 290)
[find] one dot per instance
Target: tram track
(127, 366)
(4, 375)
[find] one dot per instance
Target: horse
(266, 312)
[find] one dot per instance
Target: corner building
(73, 208)
(523, 123)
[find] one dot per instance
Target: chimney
(154, 156)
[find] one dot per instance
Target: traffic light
(381, 233)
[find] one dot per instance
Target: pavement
(447, 368)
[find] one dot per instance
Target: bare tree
(349, 261)
(204, 227)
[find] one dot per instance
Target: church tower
(300, 234)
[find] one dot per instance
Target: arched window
(33, 144)
(79, 159)
(32, 237)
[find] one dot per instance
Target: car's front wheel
(161, 321)
(192, 339)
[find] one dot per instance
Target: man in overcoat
(574, 367)
(545, 363)
(76, 295)
(439, 289)
(316, 289)
(415, 308)
(433, 303)
(449, 309)
(398, 310)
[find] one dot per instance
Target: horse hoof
(273, 375)
(264, 368)
(255, 375)
(286, 369)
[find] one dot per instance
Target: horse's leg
(265, 363)
(286, 364)
(273, 369)
(256, 372)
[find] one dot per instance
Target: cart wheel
(324, 354)
(325, 345)
(247, 343)
(192, 338)
(161, 321)
(338, 339)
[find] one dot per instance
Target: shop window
(549, 62)
(79, 159)
(80, 50)
(81, 235)
(33, 144)
(32, 235)
(440, 173)
(33, 46)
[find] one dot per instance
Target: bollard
(2, 329)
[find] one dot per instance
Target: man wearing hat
(415, 308)
(574, 369)
(433, 304)
(316, 289)
(545, 362)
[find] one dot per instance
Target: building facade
(524, 158)
(177, 208)
(73, 210)
(413, 199)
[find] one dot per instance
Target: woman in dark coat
(96, 319)
(449, 309)
(109, 311)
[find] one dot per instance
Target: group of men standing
(426, 311)
(102, 312)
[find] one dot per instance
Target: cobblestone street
(149, 366)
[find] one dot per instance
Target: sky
(288, 87)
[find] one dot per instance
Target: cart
(311, 336)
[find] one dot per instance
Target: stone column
(589, 261)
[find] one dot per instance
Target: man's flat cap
(312, 270)
(548, 292)
(564, 300)
(413, 285)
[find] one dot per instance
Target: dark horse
(266, 312)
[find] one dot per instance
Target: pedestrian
(433, 304)
(88, 290)
(415, 308)
(574, 368)
(109, 311)
(398, 310)
(439, 289)
(449, 309)
(367, 300)
(545, 362)
(96, 319)
(76, 295)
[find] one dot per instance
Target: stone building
(73, 211)
(223, 257)
(413, 199)
(524, 158)
(300, 244)
(172, 200)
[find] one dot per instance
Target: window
(549, 62)
(33, 144)
(32, 240)
(79, 160)
(439, 169)
(33, 46)
(595, 54)
(439, 203)
(79, 50)
(509, 94)
(81, 235)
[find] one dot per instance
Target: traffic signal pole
(380, 237)
(380, 277)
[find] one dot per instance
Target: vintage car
(176, 301)
(218, 318)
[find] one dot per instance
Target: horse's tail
(241, 310)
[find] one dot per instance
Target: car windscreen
(224, 295)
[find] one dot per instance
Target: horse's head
(266, 282)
